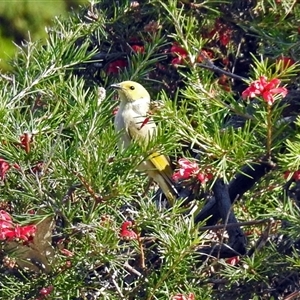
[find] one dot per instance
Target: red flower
(224, 83)
(190, 169)
(180, 52)
(266, 89)
(232, 260)
(138, 48)
(222, 32)
(4, 167)
(224, 37)
(205, 55)
(190, 296)
(46, 291)
(115, 66)
(11, 231)
(25, 233)
(7, 234)
(285, 61)
(127, 233)
(5, 220)
(6, 226)
(67, 252)
(295, 176)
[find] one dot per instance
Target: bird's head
(131, 91)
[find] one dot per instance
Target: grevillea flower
(294, 175)
(190, 296)
(115, 66)
(180, 52)
(126, 232)
(188, 169)
(7, 234)
(204, 55)
(286, 62)
(224, 83)
(222, 32)
(11, 231)
(266, 89)
(138, 48)
(45, 291)
(232, 260)
(5, 220)
(25, 233)
(4, 167)
(66, 252)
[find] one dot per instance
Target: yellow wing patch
(161, 163)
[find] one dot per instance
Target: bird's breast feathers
(134, 118)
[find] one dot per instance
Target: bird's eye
(132, 87)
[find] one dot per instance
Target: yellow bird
(132, 121)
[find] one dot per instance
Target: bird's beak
(116, 86)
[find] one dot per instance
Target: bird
(135, 125)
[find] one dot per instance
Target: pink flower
(180, 52)
(7, 234)
(4, 167)
(266, 89)
(127, 233)
(232, 260)
(25, 233)
(5, 219)
(190, 296)
(189, 170)
(115, 66)
(11, 231)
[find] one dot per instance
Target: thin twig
(6, 77)
(88, 187)
(140, 242)
(129, 268)
(263, 238)
(209, 65)
(115, 284)
(229, 225)
(292, 296)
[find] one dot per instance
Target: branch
(243, 182)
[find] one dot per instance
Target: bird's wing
(144, 130)
(156, 165)
(161, 163)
